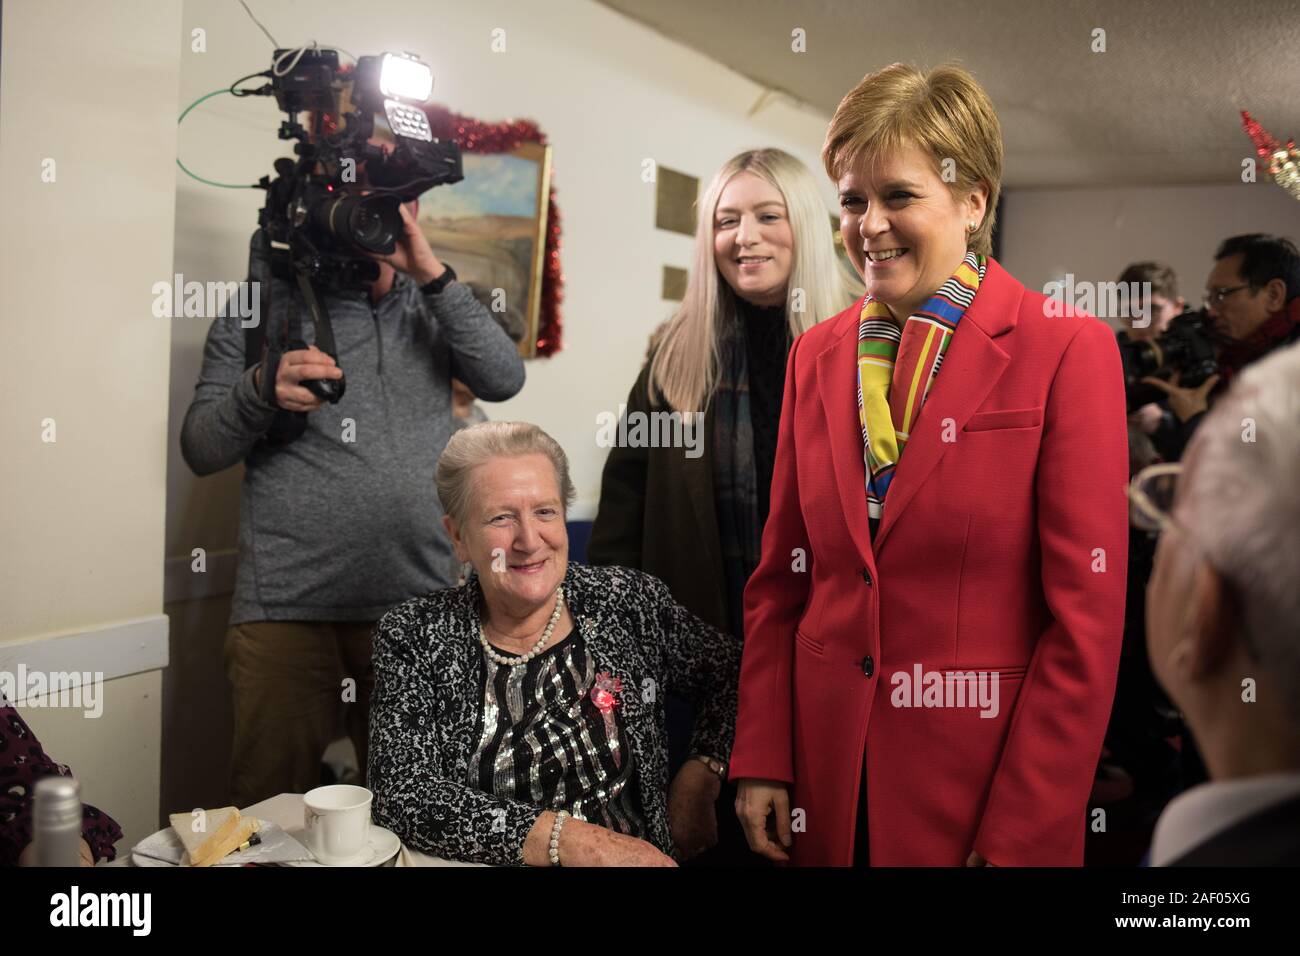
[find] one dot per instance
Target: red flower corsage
(605, 692)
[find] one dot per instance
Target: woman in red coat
(933, 630)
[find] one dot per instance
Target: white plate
(380, 848)
(139, 859)
(275, 842)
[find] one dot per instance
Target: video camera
(316, 199)
(338, 204)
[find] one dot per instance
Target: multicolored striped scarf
(897, 368)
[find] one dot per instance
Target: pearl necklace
(536, 648)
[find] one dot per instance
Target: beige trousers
(290, 700)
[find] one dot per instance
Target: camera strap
(329, 389)
(320, 318)
(265, 345)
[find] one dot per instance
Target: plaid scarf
(735, 490)
(897, 368)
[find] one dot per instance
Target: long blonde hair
(684, 368)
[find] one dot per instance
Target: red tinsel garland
(475, 136)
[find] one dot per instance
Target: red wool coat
(1002, 550)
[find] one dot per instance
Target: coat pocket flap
(1005, 418)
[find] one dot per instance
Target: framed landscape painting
(491, 228)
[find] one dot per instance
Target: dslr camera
(1186, 347)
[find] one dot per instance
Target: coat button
(868, 665)
(866, 576)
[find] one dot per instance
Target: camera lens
(373, 223)
(368, 223)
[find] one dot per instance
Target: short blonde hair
(945, 113)
(477, 444)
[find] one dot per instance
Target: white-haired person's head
(505, 492)
(1223, 604)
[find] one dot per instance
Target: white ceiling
(1161, 105)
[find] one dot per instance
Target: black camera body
(315, 204)
(1187, 347)
(338, 204)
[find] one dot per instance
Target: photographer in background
(1138, 760)
(1252, 308)
(1165, 300)
(344, 522)
(1252, 299)
(1165, 303)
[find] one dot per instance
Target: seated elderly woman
(518, 719)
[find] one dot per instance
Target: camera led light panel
(408, 121)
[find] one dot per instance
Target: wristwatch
(434, 286)
(717, 766)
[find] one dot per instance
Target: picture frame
(491, 227)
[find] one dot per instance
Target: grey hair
(475, 445)
(1243, 504)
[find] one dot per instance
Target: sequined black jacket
(425, 709)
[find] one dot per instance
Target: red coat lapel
(971, 368)
(837, 384)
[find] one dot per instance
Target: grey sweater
(344, 522)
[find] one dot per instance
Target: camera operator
(344, 522)
(1252, 300)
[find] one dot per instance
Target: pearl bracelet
(560, 817)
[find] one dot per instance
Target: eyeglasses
(1216, 296)
(1151, 496)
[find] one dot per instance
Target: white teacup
(337, 820)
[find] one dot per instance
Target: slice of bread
(224, 830)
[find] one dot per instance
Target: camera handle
(326, 389)
(266, 350)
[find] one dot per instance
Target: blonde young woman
(765, 270)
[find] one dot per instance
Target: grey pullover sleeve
(226, 417)
(482, 355)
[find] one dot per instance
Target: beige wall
(1095, 233)
(92, 87)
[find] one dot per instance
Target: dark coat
(657, 514)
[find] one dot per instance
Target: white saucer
(382, 846)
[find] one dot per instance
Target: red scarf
(1279, 327)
